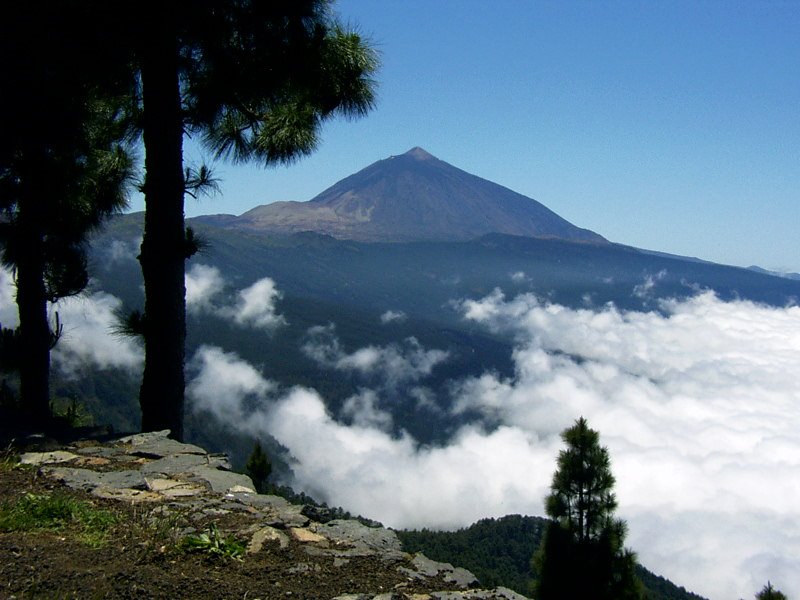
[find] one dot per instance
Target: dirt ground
(141, 559)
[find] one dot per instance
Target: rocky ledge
(184, 479)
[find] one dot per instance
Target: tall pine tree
(254, 79)
(582, 555)
(62, 163)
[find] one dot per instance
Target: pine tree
(62, 164)
(253, 79)
(582, 554)
(770, 593)
(258, 467)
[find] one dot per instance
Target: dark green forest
(498, 552)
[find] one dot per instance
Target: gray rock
(86, 479)
(351, 538)
(262, 501)
(173, 489)
(44, 458)
(174, 464)
(156, 444)
(222, 481)
(180, 476)
(274, 510)
(506, 594)
(102, 451)
(458, 576)
(267, 534)
(219, 461)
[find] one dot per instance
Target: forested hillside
(499, 552)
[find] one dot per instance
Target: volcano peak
(419, 154)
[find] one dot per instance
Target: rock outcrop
(152, 468)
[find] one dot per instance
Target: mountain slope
(499, 552)
(413, 197)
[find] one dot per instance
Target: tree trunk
(162, 253)
(34, 327)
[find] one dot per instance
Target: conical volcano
(415, 197)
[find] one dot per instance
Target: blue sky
(672, 126)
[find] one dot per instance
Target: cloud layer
(699, 407)
(88, 339)
(253, 306)
(395, 364)
(698, 404)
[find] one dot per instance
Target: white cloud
(203, 285)
(364, 468)
(393, 316)
(255, 306)
(122, 251)
(222, 382)
(395, 363)
(699, 408)
(698, 405)
(519, 277)
(362, 409)
(88, 339)
(9, 317)
(645, 289)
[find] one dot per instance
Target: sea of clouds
(698, 403)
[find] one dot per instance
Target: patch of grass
(213, 544)
(158, 526)
(55, 512)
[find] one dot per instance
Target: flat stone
(239, 489)
(144, 438)
(219, 461)
(458, 576)
(174, 464)
(173, 489)
(461, 577)
(266, 534)
(307, 536)
(44, 458)
(106, 451)
(503, 593)
(126, 495)
(261, 501)
(156, 444)
(223, 481)
(86, 479)
(361, 540)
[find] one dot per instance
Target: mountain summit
(414, 197)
